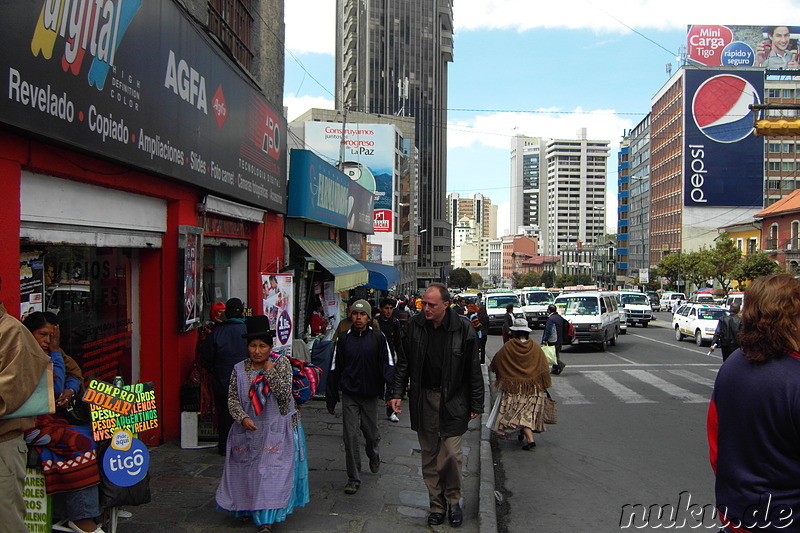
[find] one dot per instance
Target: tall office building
(391, 58)
(576, 192)
(633, 227)
(479, 210)
(527, 198)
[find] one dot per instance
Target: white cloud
(297, 105)
(599, 15)
(310, 26)
(496, 129)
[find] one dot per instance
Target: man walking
(361, 368)
(727, 334)
(554, 336)
(390, 327)
(220, 352)
(440, 358)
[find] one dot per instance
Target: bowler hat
(234, 308)
(258, 326)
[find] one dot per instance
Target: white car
(496, 303)
(534, 305)
(698, 321)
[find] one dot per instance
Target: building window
(752, 245)
(773, 93)
(230, 21)
(787, 93)
(774, 148)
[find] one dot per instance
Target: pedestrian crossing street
(634, 384)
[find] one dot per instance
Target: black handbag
(115, 496)
(78, 413)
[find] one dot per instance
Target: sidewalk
(183, 484)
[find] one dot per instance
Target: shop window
(89, 291)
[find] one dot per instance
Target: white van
(593, 314)
(735, 298)
(637, 307)
(668, 299)
(534, 305)
(496, 303)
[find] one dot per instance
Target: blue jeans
(79, 504)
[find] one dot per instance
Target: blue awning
(347, 273)
(381, 277)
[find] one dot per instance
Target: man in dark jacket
(440, 358)
(222, 349)
(554, 336)
(727, 334)
(362, 368)
(390, 327)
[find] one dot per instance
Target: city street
(631, 430)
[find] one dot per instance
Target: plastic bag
(550, 353)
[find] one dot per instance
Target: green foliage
(460, 277)
(548, 279)
(528, 279)
(753, 266)
(565, 280)
(724, 259)
(477, 281)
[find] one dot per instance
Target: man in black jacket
(390, 327)
(554, 336)
(361, 368)
(222, 349)
(727, 334)
(440, 359)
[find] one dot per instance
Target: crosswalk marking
(691, 376)
(667, 387)
(567, 394)
(616, 388)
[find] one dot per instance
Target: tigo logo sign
(720, 108)
(126, 466)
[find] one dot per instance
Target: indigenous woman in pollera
(266, 471)
(523, 377)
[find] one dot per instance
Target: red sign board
(382, 221)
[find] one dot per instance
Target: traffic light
(777, 128)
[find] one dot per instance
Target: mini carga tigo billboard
(770, 47)
(723, 159)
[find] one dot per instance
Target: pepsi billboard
(769, 47)
(723, 159)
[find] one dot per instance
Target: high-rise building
(633, 228)
(576, 189)
(528, 193)
(781, 155)
(479, 210)
(391, 58)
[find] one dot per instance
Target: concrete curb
(486, 498)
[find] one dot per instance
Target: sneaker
(352, 487)
(375, 464)
(393, 418)
(122, 513)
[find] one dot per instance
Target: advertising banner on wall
(369, 159)
(723, 159)
(277, 298)
(140, 84)
(771, 47)
(31, 282)
(319, 191)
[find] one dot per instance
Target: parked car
(534, 305)
(593, 314)
(637, 308)
(496, 303)
(698, 321)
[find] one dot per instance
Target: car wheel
(644, 324)
(678, 334)
(613, 340)
(603, 344)
(698, 338)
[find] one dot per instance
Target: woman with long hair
(754, 414)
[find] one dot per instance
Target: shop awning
(347, 272)
(381, 277)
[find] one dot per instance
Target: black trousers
(224, 422)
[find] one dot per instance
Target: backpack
(569, 332)
(305, 380)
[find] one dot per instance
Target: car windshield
(710, 314)
(635, 299)
(493, 302)
(577, 305)
(538, 298)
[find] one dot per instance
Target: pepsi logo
(720, 108)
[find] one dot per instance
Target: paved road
(631, 431)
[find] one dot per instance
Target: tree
(565, 280)
(670, 267)
(696, 267)
(528, 279)
(477, 281)
(460, 277)
(583, 279)
(723, 259)
(753, 266)
(548, 278)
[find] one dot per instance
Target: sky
(543, 69)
